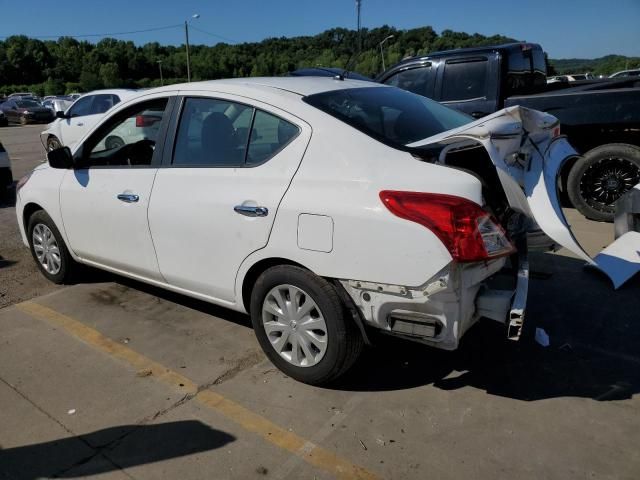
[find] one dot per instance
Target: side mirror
(60, 114)
(60, 158)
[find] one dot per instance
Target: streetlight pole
(160, 66)
(382, 51)
(358, 7)
(186, 36)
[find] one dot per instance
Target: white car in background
(325, 208)
(81, 117)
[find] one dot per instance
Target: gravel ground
(19, 277)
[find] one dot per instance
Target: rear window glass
(391, 115)
(465, 80)
(416, 80)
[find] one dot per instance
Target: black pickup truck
(601, 118)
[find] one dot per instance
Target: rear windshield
(390, 115)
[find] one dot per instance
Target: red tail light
(146, 120)
(469, 233)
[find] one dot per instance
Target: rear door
(468, 84)
(215, 199)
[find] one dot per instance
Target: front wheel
(601, 177)
(303, 326)
(48, 248)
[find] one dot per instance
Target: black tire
(344, 340)
(53, 143)
(67, 264)
(113, 142)
(600, 177)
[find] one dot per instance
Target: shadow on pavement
(81, 456)
(594, 333)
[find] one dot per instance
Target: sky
(565, 28)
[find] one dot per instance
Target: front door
(216, 201)
(104, 200)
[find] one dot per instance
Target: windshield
(389, 114)
(27, 103)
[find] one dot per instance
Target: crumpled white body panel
(522, 146)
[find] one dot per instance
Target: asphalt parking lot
(116, 379)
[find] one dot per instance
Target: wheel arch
(256, 270)
(262, 265)
(28, 210)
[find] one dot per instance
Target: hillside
(54, 67)
(599, 66)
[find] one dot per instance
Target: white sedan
(325, 208)
(81, 116)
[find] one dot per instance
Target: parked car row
(326, 208)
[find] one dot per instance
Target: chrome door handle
(248, 211)
(128, 197)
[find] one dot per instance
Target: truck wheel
(53, 143)
(303, 326)
(601, 177)
(48, 248)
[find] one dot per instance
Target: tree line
(68, 65)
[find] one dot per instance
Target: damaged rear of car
(516, 155)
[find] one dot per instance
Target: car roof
(121, 92)
(509, 47)
(302, 86)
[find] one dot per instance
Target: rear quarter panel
(341, 176)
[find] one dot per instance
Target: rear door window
(220, 133)
(416, 80)
(269, 135)
(464, 80)
(207, 135)
(102, 103)
(81, 107)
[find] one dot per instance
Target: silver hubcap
(46, 248)
(294, 325)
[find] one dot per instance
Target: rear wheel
(303, 326)
(601, 177)
(48, 248)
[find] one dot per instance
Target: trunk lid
(528, 152)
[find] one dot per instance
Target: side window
(212, 133)
(414, 80)
(128, 138)
(464, 80)
(101, 103)
(81, 107)
(269, 135)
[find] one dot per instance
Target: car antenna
(353, 59)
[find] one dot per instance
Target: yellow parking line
(247, 419)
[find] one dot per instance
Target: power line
(112, 34)
(213, 34)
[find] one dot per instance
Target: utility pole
(160, 66)
(186, 36)
(382, 51)
(358, 7)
